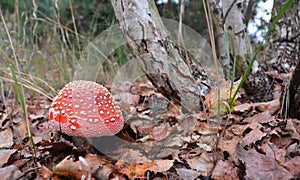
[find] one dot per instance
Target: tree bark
(219, 34)
(283, 52)
(230, 16)
(171, 70)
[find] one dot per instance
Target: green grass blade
(234, 63)
(232, 80)
(22, 101)
(60, 68)
(227, 46)
(19, 94)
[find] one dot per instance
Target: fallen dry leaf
(271, 107)
(263, 117)
(141, 122)
(145, 89)
(104, 172)
(158, 105)
(163, 165)
(274, 152)
(138, 170)
(293, 149)
(69, 168)
(135, 165)
(160, 132)
(203, 163)
(133, 156)
(293, 165)
(6, 140)
(242, 108)
(135, 170)
(259, 166)
(252, 137)
(240, 129)
(293, 127)
(37, 113)
(11, 172)
(21, 163)
(229, 145)
(279, 138)
(44, 173)
(187, 173)
(5, 155)
(21, 129)
(224, 170)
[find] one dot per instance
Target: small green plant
(233, 68)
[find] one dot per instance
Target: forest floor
(157, 142)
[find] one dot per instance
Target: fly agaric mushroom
(85, 109)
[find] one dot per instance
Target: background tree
(282, 52)
(230, 17)
(91, 18)
(171, 70)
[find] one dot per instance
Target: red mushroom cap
(85, 109)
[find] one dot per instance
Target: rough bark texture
(218, 29)
(171, 70)
(283, 52)
(294, 94)
(257, 84)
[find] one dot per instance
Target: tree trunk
(283, 52)
(171, 70)
(230, 16)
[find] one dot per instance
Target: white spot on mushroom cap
(82, 112)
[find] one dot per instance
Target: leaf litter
(157, 142)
